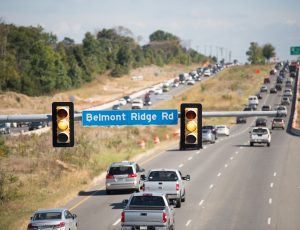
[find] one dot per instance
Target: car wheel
(108, 192)
(268, 144)
(183, 198)
(251, 143)
(178, 205)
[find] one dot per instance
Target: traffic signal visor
(191, 129)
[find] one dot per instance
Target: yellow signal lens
(63, 125)
(191, 126)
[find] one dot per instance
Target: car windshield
(47, 216)
(278, 120)
(147, 201)
(260, 131)
(163, 176)
(120, 170)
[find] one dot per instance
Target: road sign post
(295, 50)
(129, 117)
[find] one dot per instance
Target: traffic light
(190, 126)
(63, 124)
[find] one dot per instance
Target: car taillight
(31, 227)
(60, 225)
(164, 217)
(132, 175)
(123, 217)
(143, 187)
(177, 186)
(108, 176)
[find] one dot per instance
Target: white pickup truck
(167, 181)
(137, 104)
(147, 211)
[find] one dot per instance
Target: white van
(253, 100)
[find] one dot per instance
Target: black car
(127, 98)
(37, 125)
(259, 95)
(212, 128)
(261, 122)
(240, 120)
(278, 87)
(279, 80)
(273, 90)
(266, 108)
(116, 107)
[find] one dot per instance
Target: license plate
(143, 227)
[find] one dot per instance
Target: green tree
(254, 54)
(160, 35)
(268, 51)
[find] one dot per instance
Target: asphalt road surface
(233, 185)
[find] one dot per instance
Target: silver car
(47, 219)
(208, 136)
(123, 176)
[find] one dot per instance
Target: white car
(122, 101)
(158, 91)
(281, 111)
(253, 100)
(223, 130)
(207, 73)
(137, 104)
(287, 93)
(260, 135)
(190, 82)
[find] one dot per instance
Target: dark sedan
(261, 122)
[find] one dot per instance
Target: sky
(212, 27)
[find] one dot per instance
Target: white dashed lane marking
(275, 174)
(201, 202)
(219, 174)
(271, 185)
(179, 166)
(188, 222)
(269, 220)
(226, 165)
(211, 186)
(270, 200)
(190, 158)
(117, 222)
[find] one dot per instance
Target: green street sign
(295, 50)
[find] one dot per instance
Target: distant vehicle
(128, 99)
(287, 93)
(252, 100)
(147, 100)
(208, 136)
(183, 77)
(278, 123)
(260, 135)
(207, 73)
(167, 181)
(212, 128)
(137, 104)
(146, 210)
(289, 83)
(158, 91)
(279, 80)
(263, 89)
(273, 90)
(122, 101)
(267, 80)
(259, 95)
(152, 90)
(273, 71)
(37, 125)
(59, 218)
(240, 120)
(278, 87)
(123, 176)
(223, 130)
(266, 108)
(175, 84)
(190, 82)
(166, 88)
(261, 122)
(281, 111)
(252, 106)
(116, 107)
(4, 128)
(285, 101)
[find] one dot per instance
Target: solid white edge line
(179, 166)
(269, 220)
(188, 222)
(201, 202)
(117, 222)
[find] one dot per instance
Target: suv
(281, 111)
(266, 108)
(260, 135)
(261, 122)
(285, 101)
(123, 176)
(137, 104)
(287, 93)
(253, 100)
(278, 87)
(278, 123)
(4, 128)
(212, 128)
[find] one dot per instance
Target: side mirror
(74, 216)
(142, 170)
(125, 202)
(143, 177)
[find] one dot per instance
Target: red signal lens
(191, 114)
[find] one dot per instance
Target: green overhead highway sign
(295, 50)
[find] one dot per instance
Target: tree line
(34, 62)
(260, 54)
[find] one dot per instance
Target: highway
(233, 185)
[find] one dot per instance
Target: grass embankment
(35, 175)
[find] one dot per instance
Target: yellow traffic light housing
(190, 126)
(63, 124)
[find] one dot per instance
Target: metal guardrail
(78, 116)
